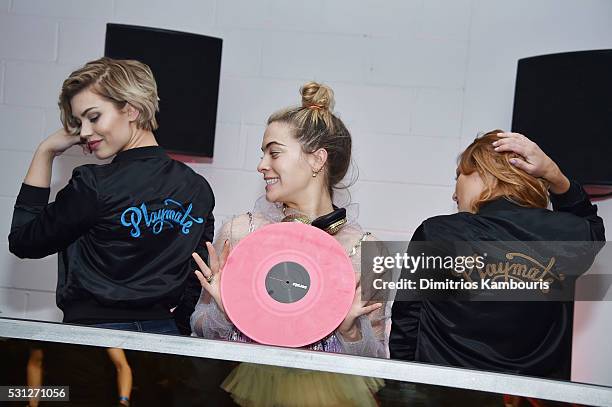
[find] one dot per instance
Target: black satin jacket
(532, 338)
(125, 232)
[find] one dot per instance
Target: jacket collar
(499, 204)
(140, 152)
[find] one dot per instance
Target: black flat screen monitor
(563, 102)
(187, 68)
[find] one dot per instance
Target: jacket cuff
(574, 195)
(32, 195)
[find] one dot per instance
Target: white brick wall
(22, 127)
(80, 41)
(415, 80)
(37, 38)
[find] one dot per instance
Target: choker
(330, 223)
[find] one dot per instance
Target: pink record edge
(349, 299)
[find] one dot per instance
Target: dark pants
(159, 326)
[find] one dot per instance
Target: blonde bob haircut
(120, 81)
(500, 177)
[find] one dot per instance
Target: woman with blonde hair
(306, 153)
(124, 230)
(504, 184)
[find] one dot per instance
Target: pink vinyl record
(287, 284)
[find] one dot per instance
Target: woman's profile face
(284, 166)
(105, 128)
(467, 190)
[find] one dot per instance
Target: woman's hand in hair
(533, 160)
(210, 277)
(58, 142)
(349, 328)
(39, 172)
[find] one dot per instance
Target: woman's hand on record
(210, 277)
(349, 328)
(533, 160)
(59, 142)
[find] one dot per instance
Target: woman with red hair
(504, 184)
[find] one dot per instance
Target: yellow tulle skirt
(271, 386)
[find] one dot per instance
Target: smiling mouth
(93, 144)
(271, 181)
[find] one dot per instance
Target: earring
(314, 174)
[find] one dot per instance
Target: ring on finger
(210, 278)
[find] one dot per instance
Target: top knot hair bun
(317, 96)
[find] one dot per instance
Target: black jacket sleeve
(39, 228)
(405, 317)
(576, 201)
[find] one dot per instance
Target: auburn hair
(500, 177)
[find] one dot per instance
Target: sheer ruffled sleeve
(374, 327)
(207, 320)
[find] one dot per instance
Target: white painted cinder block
(194, 16)
(17, 163)
(437, 113)
(314, 56)
(41, 306)
(417, 62)
(392, 18)
(22, 128)
(229, 146)
(377, 109)
(253, 136)
(2, 81)
(28, 274)
(241, 54)
(405, 159)
(446, 19)
(6, 278)
(37, 38)
(34, 84)
(6, 206)
(400, 207)
(52, 119)
(12, 303)
(80, 41)
(292, 15)
(252, 101)
(87, 9)
(591, 334)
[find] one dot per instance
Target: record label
(287, 282)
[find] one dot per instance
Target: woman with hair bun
(504, 184)
(306, 154)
